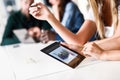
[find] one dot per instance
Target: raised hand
(40, 11)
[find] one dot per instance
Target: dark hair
(117, 2)
(64, 2)
(101, 2)
(47, 3)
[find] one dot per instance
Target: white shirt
(109, 30)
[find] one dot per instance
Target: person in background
(22, 19)
(103, 17)
(68, 13)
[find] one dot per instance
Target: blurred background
(9, 6)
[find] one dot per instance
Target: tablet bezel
(74, 63)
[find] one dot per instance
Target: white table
(5, 68)
(33, 70)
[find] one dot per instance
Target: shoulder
(70, 5)
(15, 15)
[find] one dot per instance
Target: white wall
(3, 18)
(76, 1)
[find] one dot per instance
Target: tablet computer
(63, 54)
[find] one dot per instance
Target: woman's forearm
(113, 55)
(41, 12)
(67, 35)
(109, 43)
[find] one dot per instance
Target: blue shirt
(72, 18)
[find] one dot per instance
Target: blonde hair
(95, 4)
(114, 12)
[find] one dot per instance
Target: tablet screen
(63, 54)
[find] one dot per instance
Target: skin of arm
(93, 50)
(82, 36)
(106, 49)
(113, 55)
(114, 40)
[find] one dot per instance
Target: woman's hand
(76, 48)
(93, 50)
(40, 11)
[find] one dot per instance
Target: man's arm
(8, 36)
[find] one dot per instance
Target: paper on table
(28, 62)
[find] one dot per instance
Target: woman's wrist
(103, 55)
(49, 17)
(52, 19)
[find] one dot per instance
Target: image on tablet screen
(63, 54)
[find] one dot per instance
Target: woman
(67, 13)
(102, 18)
(107, 49)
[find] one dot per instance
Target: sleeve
(8, 36)
(73, 18)
(68, 15)
(46, 25)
